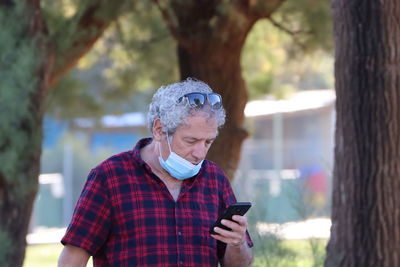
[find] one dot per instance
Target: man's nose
(200, 151)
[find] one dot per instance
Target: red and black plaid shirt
(126, 216)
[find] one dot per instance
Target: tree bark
(220, 68)
(366, 184)
(16, 206)
(20, 146)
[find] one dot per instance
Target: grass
(286, 253)
(44, 255)
(289, 253)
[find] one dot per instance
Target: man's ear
(157, 130)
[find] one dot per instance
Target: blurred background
(99, 109)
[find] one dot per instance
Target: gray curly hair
(172, 114)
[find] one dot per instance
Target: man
(153, 206)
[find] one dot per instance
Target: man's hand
(235, 237)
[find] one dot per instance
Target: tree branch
(242, 14)
(292, 33)
(168, 20)
(262, 8)
(81, 32)
(283, 28)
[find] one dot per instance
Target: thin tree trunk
(366, 200)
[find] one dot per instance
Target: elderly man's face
(193, 140)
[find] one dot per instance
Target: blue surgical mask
(177, 166)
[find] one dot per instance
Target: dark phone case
(238, 208)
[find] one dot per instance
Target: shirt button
(179, 233)
(181, 262)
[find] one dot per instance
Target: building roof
(299, 101)
(134, 119)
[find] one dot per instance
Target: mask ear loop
(159, 149)
(169, 146)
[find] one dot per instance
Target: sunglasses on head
(199, 99)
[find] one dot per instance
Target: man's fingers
(227, 233)
(228, 237)
(236, 235)
(242, 220)
(236, 226)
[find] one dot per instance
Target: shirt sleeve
(227, 197)
(90, 222)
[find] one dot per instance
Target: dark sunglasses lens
(196, 99)
(215, 100)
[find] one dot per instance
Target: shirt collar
(136, 150)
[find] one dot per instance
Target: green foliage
(57, 12)
(142, 52)
(62, 19)
(271, 251)
(269, 67)
(133, 58)
(262, 55)
(317, 248)
(309, 22)
(291, 51)
(19, 63)
(311, 71)
(75, 25)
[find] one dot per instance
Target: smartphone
(238, 208)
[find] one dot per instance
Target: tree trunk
(219, 66)
(19, 176)
(16, 202)
(366, 200)
(22, 94)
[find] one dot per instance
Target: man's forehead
(200, 137)
(202, 133)
(198, 133)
